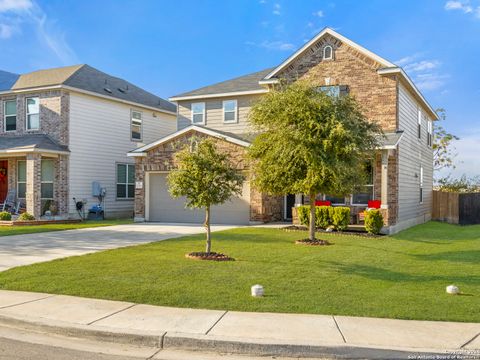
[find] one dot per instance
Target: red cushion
(374, 204)
(323, 203)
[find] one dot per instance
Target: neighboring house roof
(7, 80)
(30, 143)
(88, 79)
(246, 84)
(390, 140)
(235, 139)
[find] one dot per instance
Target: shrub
(26, 217)
(341, 217)
(303, 215)
(5, 216)
(373, 221)
(323, 216)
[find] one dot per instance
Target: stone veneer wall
(262, 207)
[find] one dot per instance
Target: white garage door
(164, 208)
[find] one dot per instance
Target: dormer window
(328, 53)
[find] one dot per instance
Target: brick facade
(54, 122)
(263, 207)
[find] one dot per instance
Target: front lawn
(31, 229)
(403, 276)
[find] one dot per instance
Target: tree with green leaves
(309, 142)
(443, 148)
(206, 177)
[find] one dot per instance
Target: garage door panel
(164, 208)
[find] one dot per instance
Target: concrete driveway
(32, 248)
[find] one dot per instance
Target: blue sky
(168, 47)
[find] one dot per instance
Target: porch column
(33, 186)
(384, 182)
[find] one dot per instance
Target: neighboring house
(63, 129)
(401, 173)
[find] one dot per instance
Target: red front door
(3, 180)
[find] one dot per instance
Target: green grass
(403, 276)
(32, 229)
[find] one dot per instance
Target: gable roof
(246, 84)
(30, 143)
(331, 32)
(7, 80)
(95, 82)
(141, 151)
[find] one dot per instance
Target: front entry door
(3, 180)
(289, 203)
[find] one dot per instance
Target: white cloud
(272, 45)
(15, 5)
(29, 13)
(459, 5)
(422, 65)
(430, 81)
(466, 160)
(318, 13)
(262, 1)
(6, 31)
(276, 9)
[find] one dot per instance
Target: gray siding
(214, 114)
(99, 139)
(413, 153)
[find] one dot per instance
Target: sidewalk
(236, 332)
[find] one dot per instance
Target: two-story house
(63, 129)
(401, 173)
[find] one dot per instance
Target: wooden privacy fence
(456, 208)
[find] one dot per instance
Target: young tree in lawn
(205, 177)
(309, 142)
(443, 148)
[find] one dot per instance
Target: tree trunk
(311, 235)
(207, 227)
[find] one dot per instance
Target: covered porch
(33, 176)
(380, 192)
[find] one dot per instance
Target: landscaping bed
(356, 231)
(37, 222)
(402, 276)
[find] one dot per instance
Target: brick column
(33, 195)
(12, 173)
(60, 186)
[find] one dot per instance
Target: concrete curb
(192, 342)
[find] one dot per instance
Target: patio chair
(372, 204)
(9, 202)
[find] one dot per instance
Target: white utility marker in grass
(257, 290)
(452, 289)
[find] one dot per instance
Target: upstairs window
(230, 111)
(334, 90)
(136, 125)
(198, 113)
(429, 133)
(125, 181)
(327, 53)
(10, 115)
(33, 113)
(419, 124)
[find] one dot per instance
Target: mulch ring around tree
(213, 256)
(315, 242)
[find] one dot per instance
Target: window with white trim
(230, 111)
(364, 193)
(429, 133)
(21, 179)
(33, 113)
(421, 184)
(125, 181)
(10, 115)
(136, 125)
(419, 123)
(328, 52)
(47, 176)
(198, 113)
